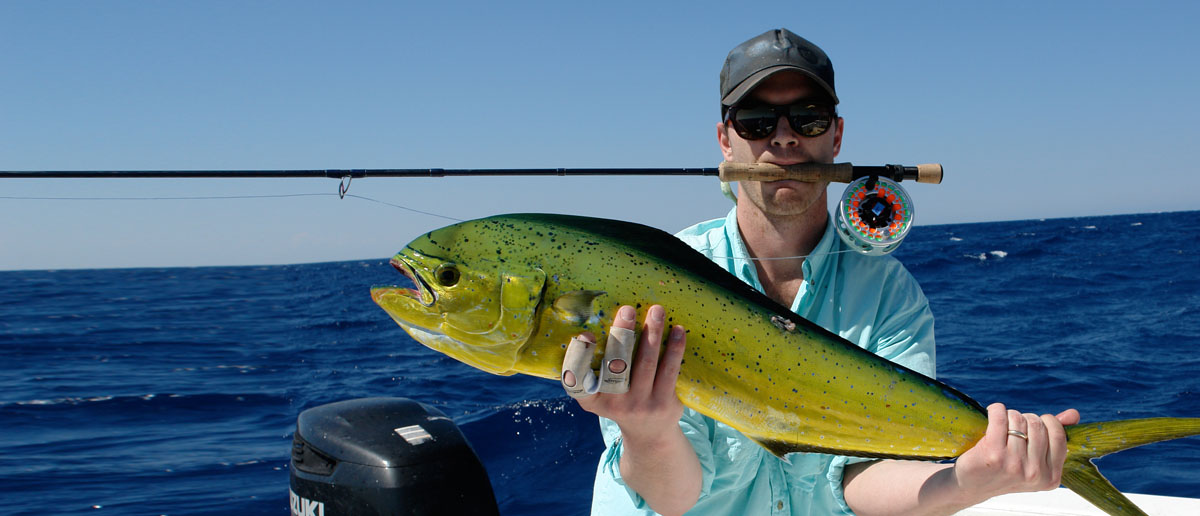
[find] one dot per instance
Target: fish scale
(525, 284)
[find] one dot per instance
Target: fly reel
(874, 215)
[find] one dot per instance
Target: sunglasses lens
(755, 123)
(810, 126)
(808, 120)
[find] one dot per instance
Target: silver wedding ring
(1018, 433)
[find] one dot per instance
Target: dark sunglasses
(755, 121)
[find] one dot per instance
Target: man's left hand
(1029, 458)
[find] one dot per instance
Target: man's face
(783, 147)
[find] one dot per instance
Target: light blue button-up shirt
(871, 301)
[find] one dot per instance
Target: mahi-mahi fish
(505, 294)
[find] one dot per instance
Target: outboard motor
(384, 456)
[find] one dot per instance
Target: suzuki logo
(304, 507)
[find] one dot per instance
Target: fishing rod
(811, 172)
(873, 217)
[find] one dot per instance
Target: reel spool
(874, 215)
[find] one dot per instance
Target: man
(778, 105)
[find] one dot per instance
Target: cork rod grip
(929, 173)
(810, 172)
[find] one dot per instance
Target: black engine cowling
(384, 456)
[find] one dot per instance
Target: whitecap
(999, 254)
(71, 400)
(955, 239)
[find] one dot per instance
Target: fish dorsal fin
(577, 306)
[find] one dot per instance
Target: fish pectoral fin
(577, 306)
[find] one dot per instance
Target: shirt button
(779, 505)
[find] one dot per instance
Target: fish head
(476, 308)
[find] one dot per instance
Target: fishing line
(223, 197)
(414, 210)
(772, 258)
(342, 194)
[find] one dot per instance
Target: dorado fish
(507, 293)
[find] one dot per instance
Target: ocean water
(176, 390)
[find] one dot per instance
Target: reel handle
(831, 172)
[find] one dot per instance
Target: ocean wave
(238, 368)
(117, 403)
(70, 400)
(985, 256)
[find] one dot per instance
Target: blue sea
(176, 390)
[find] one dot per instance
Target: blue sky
(1036, 109)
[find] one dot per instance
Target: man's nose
(784, 136)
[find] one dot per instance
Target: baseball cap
(769, 53)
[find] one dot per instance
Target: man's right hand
(657, 460)
(651, 405)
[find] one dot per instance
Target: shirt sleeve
(905, 327)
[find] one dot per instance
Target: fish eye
(447, 275)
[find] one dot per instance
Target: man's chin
(795, 196)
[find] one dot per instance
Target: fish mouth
(423, 294)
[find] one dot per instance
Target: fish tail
(1094, 440)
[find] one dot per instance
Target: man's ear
(723, 141)
(837, 136)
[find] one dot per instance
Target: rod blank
(354, 173)
(811, 172)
